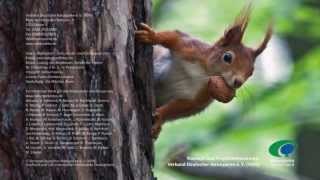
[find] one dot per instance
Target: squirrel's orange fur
(188, 70)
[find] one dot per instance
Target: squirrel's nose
(237, 83)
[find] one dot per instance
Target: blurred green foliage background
(263, 112)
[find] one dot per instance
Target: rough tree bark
(126, 72)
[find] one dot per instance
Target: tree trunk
(103, 98)
(308, 148)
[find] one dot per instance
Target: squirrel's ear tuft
(265, 41)
(235, 32)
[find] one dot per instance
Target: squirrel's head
(230, 58)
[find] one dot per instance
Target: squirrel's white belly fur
(175, 78)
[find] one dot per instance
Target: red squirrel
(189, 73)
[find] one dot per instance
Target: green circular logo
(282, 148)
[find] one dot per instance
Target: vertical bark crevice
(126, 71)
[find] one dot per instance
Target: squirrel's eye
(227, 57)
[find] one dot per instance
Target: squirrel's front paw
(146, 34)
(156, 128)
(155, 131)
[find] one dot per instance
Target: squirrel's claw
(146, 27)
(156, 128)
(155, 131)
(146, 34)
(141, 32)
